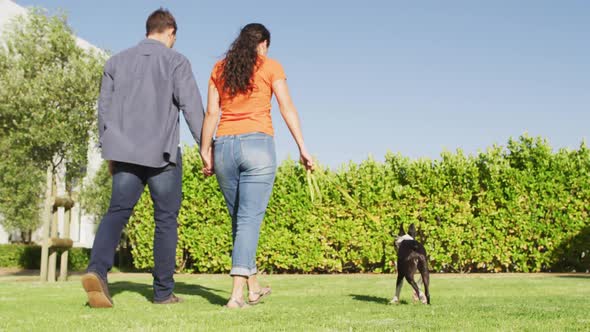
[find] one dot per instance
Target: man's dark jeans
(165, 185)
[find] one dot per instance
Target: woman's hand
(207, 157)
(306, 160)
(209, 125)
(291, 117)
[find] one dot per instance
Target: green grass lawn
(518, 302)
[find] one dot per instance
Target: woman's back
(243, 157)
(248, 112)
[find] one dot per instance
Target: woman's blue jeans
(245, 166)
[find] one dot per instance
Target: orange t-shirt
(248, 112)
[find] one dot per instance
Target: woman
(243, 154)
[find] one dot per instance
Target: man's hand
(111, 167)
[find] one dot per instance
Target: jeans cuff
(102, 276)
(242, 271)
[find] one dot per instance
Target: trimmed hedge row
(29, 257)
(517, 208)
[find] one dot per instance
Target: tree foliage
(48, 92)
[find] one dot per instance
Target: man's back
(142, 91)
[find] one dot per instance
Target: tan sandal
(238, 304)
(265, 291)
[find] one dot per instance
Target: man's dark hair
(160, 20)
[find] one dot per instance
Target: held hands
(207, 157)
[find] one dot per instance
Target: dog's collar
(403, 238)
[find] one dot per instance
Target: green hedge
(29, 257)
(521, 208)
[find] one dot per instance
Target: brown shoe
(97, 290)
(170, 300)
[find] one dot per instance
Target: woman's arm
(291, 117)
(209, 125)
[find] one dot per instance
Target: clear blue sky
(404, 76)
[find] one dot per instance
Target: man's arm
(188, 98)
(105, 98)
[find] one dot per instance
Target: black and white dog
(411, 256)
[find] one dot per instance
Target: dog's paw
(395, 300)
(423, 299)
(415, 297)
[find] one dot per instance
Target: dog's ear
(412, 231)
(401, 230)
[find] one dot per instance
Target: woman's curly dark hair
(241, 60)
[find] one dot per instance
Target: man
(142, 90)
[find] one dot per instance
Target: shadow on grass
(369, 298)
(146, 290)
(587, 276)
(20, 273)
